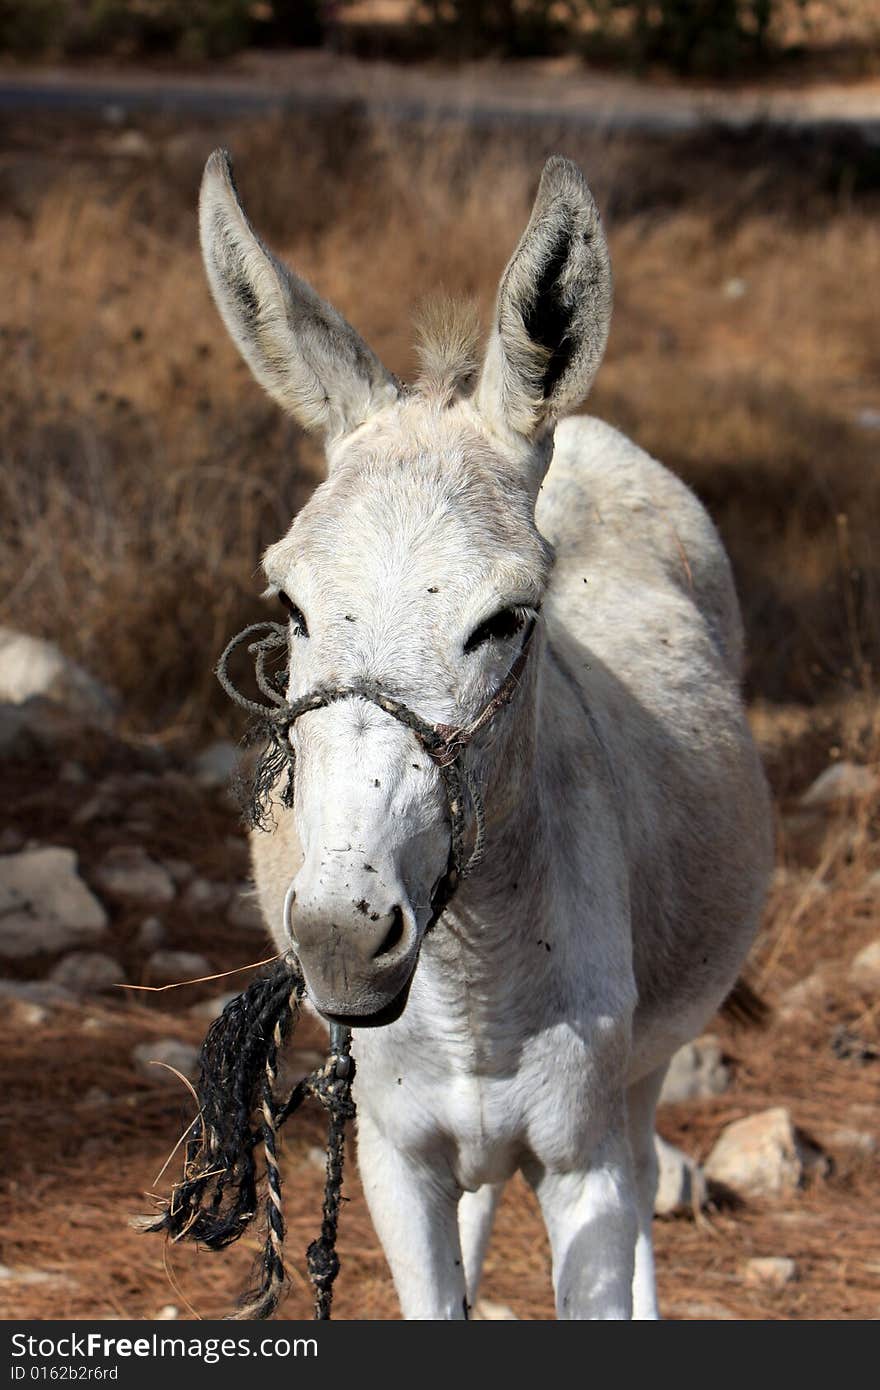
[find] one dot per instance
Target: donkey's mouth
(389, 1013)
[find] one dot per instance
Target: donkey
(556, 610)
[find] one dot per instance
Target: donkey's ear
(553, 309)
(309, 359)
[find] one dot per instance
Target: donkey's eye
(501, 627)
(295, 614)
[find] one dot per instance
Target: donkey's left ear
(553, 310)
(305, 354)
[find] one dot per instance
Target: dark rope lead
(216, 1200)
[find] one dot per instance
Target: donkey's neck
(499, 928)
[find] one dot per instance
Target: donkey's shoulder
(618, 517)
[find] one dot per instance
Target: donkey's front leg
(591, 1217)
(414, 1211)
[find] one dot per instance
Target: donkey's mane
(448, 335)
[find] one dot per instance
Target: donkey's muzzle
(357, 959)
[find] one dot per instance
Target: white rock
(30, 666)
(868, 418)
(864, 972)
(168, 1313)
(681, 1187)
(700, 1309)
(21, 1013)
(245, 912)
(44, 904)
(34, 1276)
(486, 1310)
(215, 764)
(762, 1156)
(735, 287)
(127, 871)
(804, 998)
(856, 1142)
(770, 1272)
(87, 972)
(152, 1059)
(841, 782)
(696, 1071)
(171, 967)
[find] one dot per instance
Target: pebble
(151, 1059)
(696, 1072)
(87, 972)
(127, 871)
(770, 1272)
(173, 967)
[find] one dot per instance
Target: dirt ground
(141, 476)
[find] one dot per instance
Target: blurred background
(390, 150)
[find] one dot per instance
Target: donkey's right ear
(305, 354)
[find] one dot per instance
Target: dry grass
(143, 472)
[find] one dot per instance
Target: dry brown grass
(143, 472)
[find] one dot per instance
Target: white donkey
(626, 835)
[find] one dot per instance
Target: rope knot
(323, 1264)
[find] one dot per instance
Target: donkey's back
(643, 615)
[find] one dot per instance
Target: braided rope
(215, 1201)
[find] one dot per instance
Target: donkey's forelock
(448, 335)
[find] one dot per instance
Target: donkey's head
(415, 569)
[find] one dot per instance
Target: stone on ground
(864, 972)
(762, 1156)
(152, 1059)
(44, 904)
(30, 666)
(172, 967)
(841, 782)
(128, 872)
(485, 1310)
(696, 1071)
(87, 972)
(770, 1272)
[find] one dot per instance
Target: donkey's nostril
(393, 935)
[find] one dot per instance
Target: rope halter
(443, 743)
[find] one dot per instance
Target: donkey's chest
(479, 1119)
